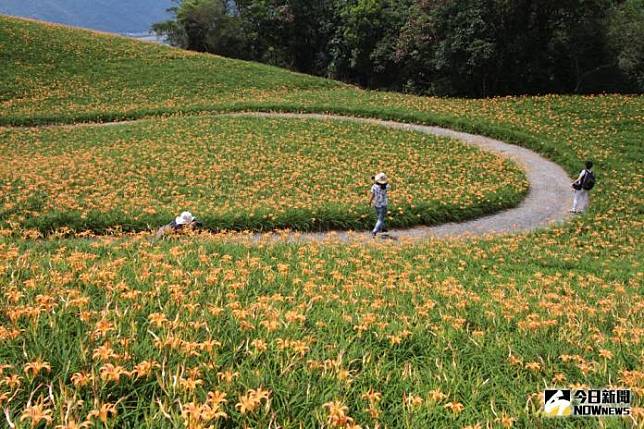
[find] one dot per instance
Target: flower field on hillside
(243, 173)
(199, 332)
(214, 330)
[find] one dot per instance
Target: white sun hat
(381, 178)
(184, 219)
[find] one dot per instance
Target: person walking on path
(582, 186)
(379, 201)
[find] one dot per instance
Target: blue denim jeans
(381, 212)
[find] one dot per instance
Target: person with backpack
(379, 201)
(584, 183)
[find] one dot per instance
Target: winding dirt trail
(547, 202)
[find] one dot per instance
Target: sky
(114, 16)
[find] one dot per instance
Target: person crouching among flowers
(379, 201)
(184, 220)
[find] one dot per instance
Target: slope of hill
(202, 330)
(115, 16)
(52, 71)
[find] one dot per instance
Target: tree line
(472, 48)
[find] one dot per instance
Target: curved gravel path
(547, 202)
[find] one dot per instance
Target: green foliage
(364, 41)
(488, 322)
(626, 37)
(467, 48)
(482, 48)
(205, 26)
(465, 52)
(290, 33)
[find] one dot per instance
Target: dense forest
(473, 48)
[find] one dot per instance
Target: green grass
(243, 174)
(456, 325)
(82, 71)
(467, 317)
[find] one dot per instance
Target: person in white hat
(379, 201)
(185, 219)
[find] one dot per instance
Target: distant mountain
(114, 16)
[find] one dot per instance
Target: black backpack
(588, 182)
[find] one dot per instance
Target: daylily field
(219, 330)
(242, 174)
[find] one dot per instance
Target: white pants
(580, 203)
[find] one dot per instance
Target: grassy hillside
(78, 76)
(56, 72)
(195, 331)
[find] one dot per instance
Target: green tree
(289, 33)
(492, 47)
(626, 38)
(474, 48)
(451, 48)
(205, 26)
(172, 29)
(364, 44)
